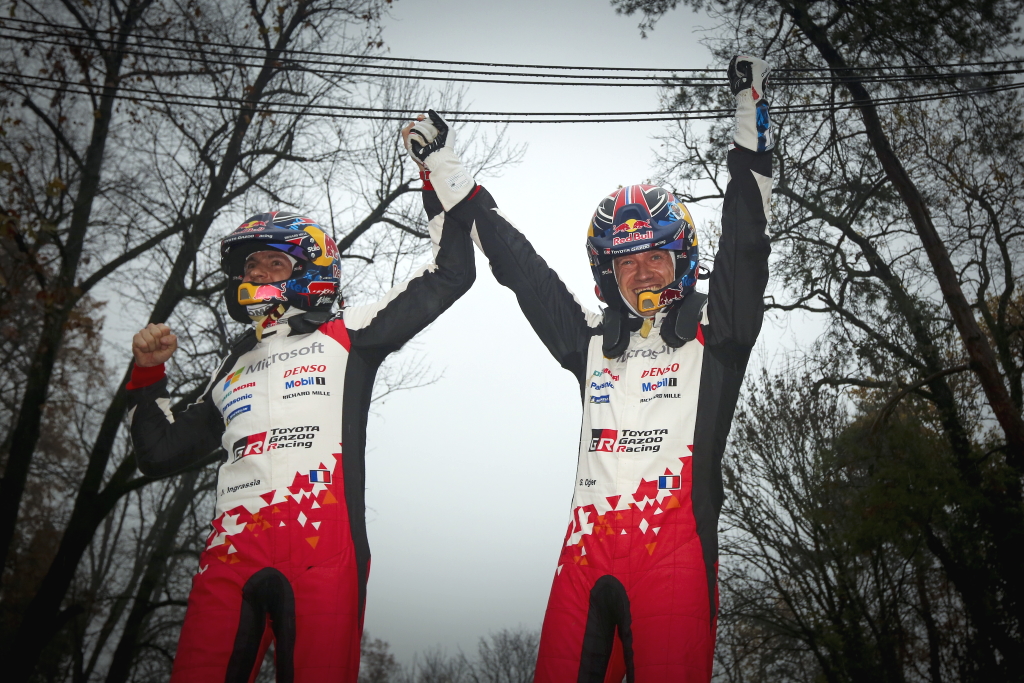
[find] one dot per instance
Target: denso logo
(658, 372)
(304, 382)
(660, 384)
(303, 369)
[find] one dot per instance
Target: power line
(370, 113)
(51, 31)
(208, 57)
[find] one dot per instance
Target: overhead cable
(206, 58)
(330, 111)
(52, 30)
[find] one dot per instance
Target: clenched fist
(153, 345)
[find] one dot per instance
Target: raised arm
(409, 307)
(562, 323)
(736, 289)
(166, 442)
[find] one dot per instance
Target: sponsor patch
(233, 377)
(304, 382)
(660, 384)
(658, 372)
(603, 440)
(670, 481)
(238, 411)
(320, 476)
(626, 440)
(248, 445)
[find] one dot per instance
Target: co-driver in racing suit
(635, 590)
(288, 556)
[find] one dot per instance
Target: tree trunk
(62, 295)
(138, 618)
(91, 504)
(982, 358)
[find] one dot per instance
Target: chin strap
(271, 318)
(682, 320)
(308, 322)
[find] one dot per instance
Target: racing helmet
(316, 273)
(640, 218)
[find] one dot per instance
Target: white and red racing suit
(635, 590)
(288, 556)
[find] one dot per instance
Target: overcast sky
(470, 479)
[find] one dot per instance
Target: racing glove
(431, 142)
(748, 78)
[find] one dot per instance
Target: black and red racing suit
(635, 590)
(288, 556)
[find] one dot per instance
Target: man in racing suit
(635, 590)
(288, 556)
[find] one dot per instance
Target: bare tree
(124, 157)
(860, 189)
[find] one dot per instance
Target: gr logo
(603, 440)
(248, 445)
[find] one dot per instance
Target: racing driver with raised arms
(288, 557)
(660, 369)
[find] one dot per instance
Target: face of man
(262, 267)
(647, 271)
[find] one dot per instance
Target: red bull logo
(252, 293)
(632, 225)
(251, 225)
(633, 237)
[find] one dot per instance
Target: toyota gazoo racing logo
(635, 230)
(248, 445)
(626, 440)
(603, 440)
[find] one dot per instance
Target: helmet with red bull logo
(315, 278)
(640, 218)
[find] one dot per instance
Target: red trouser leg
(208, 634)
(292, 565)
(561, 637)
(631, 597)
(328, 627)
(673, 636)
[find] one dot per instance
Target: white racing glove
(431, 142)
(748, 78)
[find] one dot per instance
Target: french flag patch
(323, 477)
(665, 481)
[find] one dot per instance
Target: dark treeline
(508, 656)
